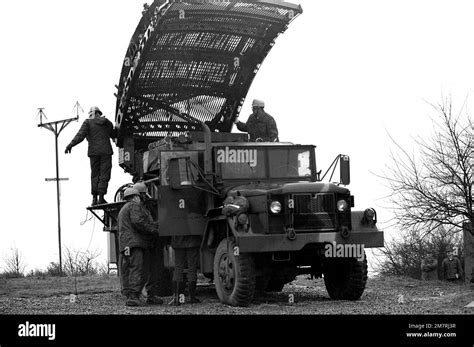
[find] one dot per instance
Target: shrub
(53, 269)
(403, 256)
(10, 274)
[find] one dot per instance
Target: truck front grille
(314, 212)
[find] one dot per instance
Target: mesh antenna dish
(194, 61)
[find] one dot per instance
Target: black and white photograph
(200, 166)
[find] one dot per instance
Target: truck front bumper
(257, 243)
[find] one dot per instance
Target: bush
(75, 263)
(403, 256)
(37, 273)
(80, 263)
(10, 274)
(53, 269)
(14, 264)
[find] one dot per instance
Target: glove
(68, 149)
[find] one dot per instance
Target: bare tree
(88, 264)
(77, 262)
(14, 263)
(434, 187)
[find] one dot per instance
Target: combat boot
(154, 300)
(192, 293)
(101, 199)
(176, 288)
(94, 200)
(133, 301)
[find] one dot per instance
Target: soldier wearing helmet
(135, 225)
(153, 265)
(260, 125)
(98, 131)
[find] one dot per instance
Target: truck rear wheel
(234, 275)
(345, 278)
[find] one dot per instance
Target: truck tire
(345, 278)
(234, 275)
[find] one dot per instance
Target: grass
(100, 294)
(27, 287)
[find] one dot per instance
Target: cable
(86, 219)
(92, 235)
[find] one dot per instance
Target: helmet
(95, 109)
(140, 187)
(130, 192)
(258, 103)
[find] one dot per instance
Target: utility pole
(56, 127)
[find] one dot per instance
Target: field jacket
(429, 269)
(451, 268)
(98, 131)
(136, 226)
(262, 126)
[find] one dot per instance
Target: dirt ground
(101, 295)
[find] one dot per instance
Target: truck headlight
(342, 205)
(275, 207)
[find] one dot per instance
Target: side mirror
(345, 169)
(174, 173)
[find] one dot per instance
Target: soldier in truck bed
(98, 131)
(260, 125)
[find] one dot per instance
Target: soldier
(153, 256)
(452, 269)
(260, 125)
(429, 268)
(134, 226)
(98, 131)
(186, 251)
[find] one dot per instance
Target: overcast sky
(343, 76)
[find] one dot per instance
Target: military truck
(262, 209)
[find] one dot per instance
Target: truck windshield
(289, 163)
(263, 163)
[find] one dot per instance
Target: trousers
(101, 167)
(153, 268)
(183, 256)
(131, 272)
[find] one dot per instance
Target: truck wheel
(345, 278)
(234, 275)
